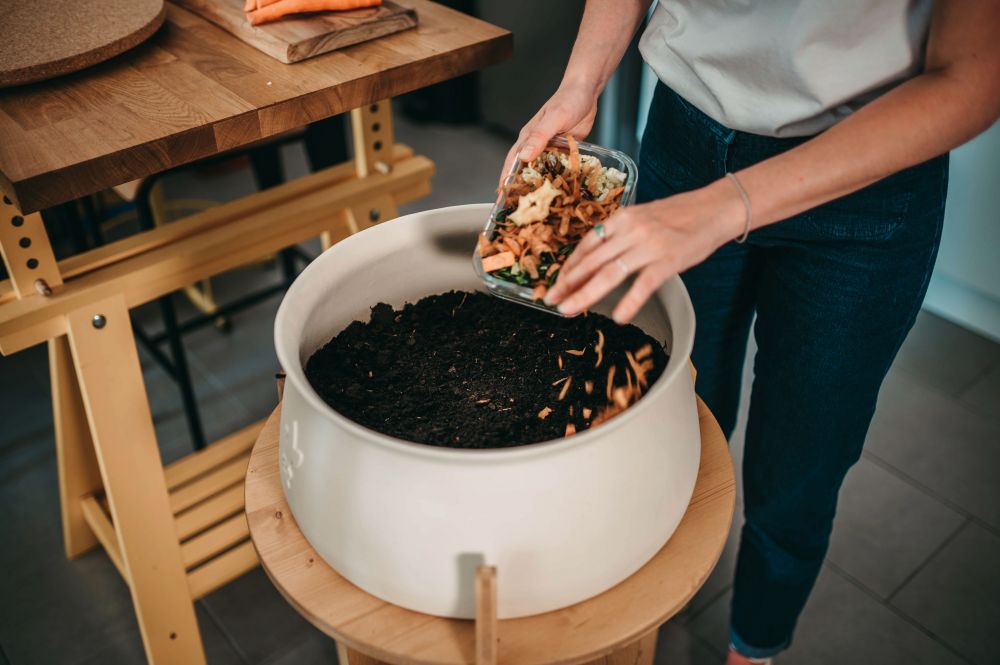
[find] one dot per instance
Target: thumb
(548, 126)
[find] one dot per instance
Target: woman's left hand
(655, 240)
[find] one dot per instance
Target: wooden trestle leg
(79, 474)
(121, 427)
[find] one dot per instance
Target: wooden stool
(619, 626)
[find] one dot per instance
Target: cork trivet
(40, 39)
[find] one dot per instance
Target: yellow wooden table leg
(79, 474)
(27, 253)
(121, 426)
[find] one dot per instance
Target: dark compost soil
(468, 370)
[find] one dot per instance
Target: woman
(794, 167)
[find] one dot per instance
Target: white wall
(965, 287)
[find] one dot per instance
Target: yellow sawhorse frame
(178, 532)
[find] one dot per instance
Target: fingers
(616, 228)
(601, 284)
(639, 259)
(649, 279)
(552, 120)
(508, 164)
(571, 277)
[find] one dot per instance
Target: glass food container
(517, 292)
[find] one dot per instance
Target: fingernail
(548, 299)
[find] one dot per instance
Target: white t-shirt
(784, 67)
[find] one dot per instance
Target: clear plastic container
(522, 294)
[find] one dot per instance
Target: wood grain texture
(621, 618)
(296, 38)
(42, 39)
(79, 474)
(121, 426)
(486, 615)
(193, 90)
(230, 235)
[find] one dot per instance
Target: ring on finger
(601, 231)
(621, 264)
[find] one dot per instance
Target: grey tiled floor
(913, 573)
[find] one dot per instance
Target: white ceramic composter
(562, 520)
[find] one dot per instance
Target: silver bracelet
(746, 204)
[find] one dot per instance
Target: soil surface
(469, 370)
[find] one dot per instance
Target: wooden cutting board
(297, 38)
(40, 39)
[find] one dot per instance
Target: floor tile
(841, 624)
(721, 578)
(983, 396)
(711, 623)
(129, 650)
(55, 610)
(947, 356)
(886, 528)
(313, 649)
(25, 408)
(940, 444)
(260, 622)
(957, 594)
(676, 645)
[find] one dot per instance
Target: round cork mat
(40, 39)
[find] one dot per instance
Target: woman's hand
(654, 240)
(570, 110)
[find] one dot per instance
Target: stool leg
(348, 656)
(113, 392)
(640, 652)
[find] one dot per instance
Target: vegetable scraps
(550, 204)
(263, 11)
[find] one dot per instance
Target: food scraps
(549, 205)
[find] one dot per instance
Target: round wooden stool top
(40, 39)
(576, 634)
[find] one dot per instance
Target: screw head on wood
(374, 214)
(99, 321)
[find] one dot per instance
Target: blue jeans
(835, 291)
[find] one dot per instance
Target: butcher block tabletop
(193, 90)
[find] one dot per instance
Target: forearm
(924, 117)
(605, 32)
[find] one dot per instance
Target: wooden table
(615, 628)
(189, 92)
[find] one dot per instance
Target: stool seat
(615, 620)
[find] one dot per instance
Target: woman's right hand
(570, 110)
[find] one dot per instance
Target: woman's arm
(606, 30)
(955, 98)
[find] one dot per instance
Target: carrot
(251, 5)
(498, 261)
(282, 8)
